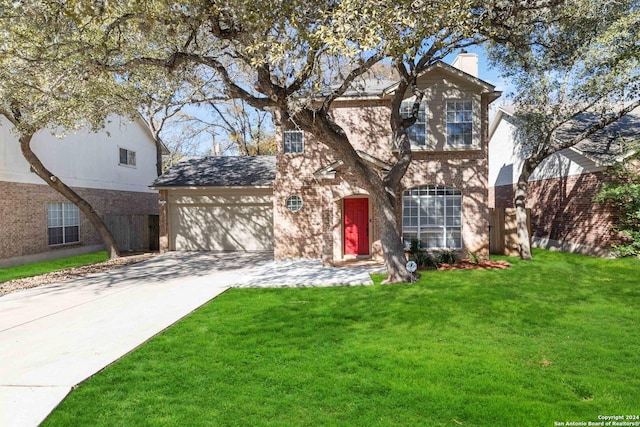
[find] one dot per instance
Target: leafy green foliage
(48, 74)
(623, 194)
(573, 77)
(585, 62)
(474, 257)
(447, 257)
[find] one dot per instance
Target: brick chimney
(467, 62)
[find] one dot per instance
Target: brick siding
(316, 230)
(563, 210)
(23, 215)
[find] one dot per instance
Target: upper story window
(63, 223)
(417, 133)
(127, 157)
(460, 123)
(293, 141)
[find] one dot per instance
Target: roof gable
(482, 85)
(381, 88)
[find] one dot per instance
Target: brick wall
(563, 211)
(23, 215)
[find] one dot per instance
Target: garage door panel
(224, 199)
(222, 228)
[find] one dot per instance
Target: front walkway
(54, 337)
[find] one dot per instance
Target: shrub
(623, 194)
(447, 257)
(424, 260)
(474, 258)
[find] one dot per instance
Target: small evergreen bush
(424, 260)
(447, 257)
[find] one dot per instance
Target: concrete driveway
(55, 336)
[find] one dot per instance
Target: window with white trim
(417, 133)
(433, 215)
(294, 203)
(127, 157)
(459, 123)
(293, 141)
(63, 220)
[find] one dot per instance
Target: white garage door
(221, 220)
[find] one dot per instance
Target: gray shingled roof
(368, 87)
(242, 171)
(606, 146)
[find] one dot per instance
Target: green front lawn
(552, 340)
(34, 269)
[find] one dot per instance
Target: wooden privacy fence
(503, 231)
(134, 232)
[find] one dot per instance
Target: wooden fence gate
(135, 232)
(503, 231)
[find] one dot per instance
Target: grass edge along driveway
(554, 340)
(48, 266)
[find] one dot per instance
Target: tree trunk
(521, 209)
(330, 133)
(158, 142)
(390, 240)
(55, 183)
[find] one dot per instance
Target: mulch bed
(465, 264)
(71, 273)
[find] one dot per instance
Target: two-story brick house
(110, 169)
(319, 210)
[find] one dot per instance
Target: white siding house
(112, 169)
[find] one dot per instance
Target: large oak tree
(297, 57)
(294, 57)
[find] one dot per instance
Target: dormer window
(293, 141)
(460, 123)
(417, 133)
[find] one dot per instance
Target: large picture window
(293, 141)
(460, 123)
(63, 223)
(417, 133)
(433, 215)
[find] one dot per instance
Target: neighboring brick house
(560, 195)
(111, 169)
(319, 211)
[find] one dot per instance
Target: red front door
(356, 226)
